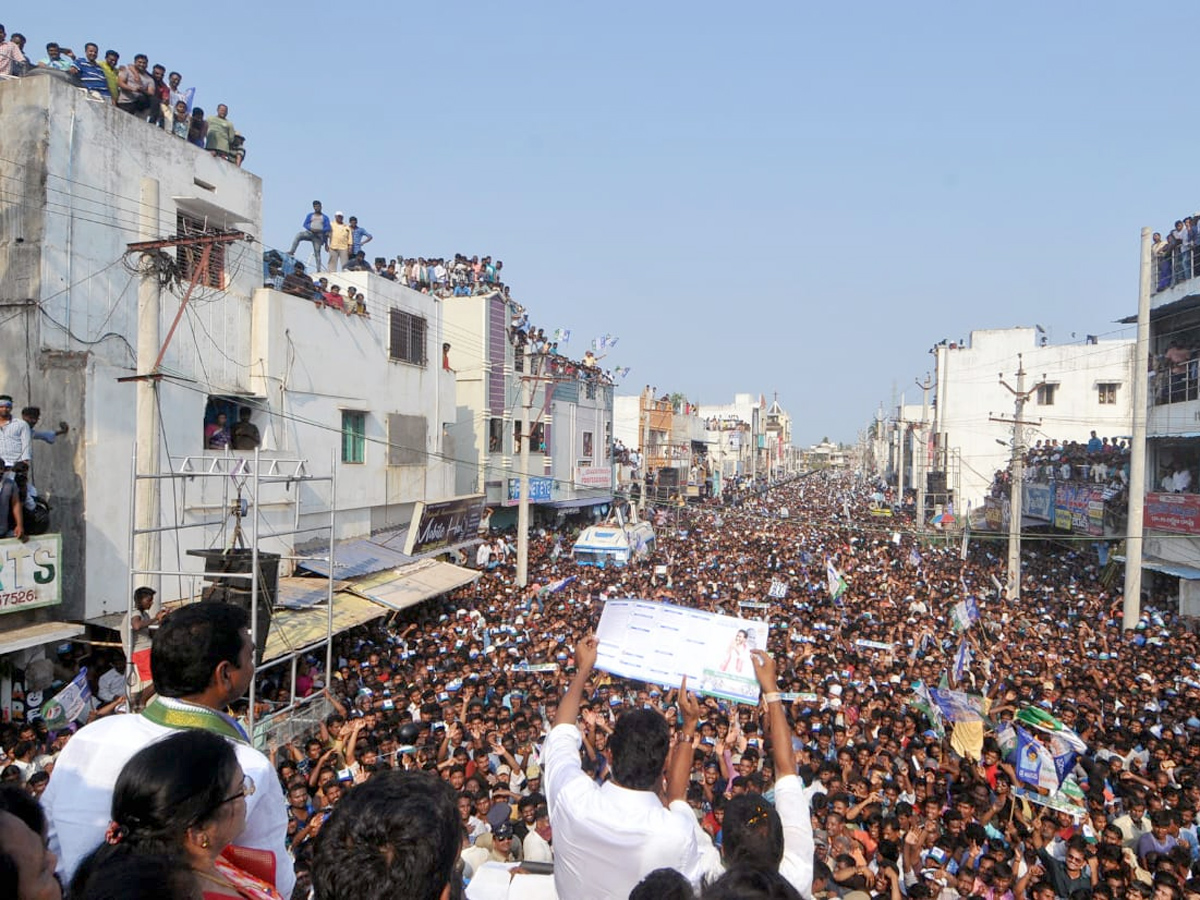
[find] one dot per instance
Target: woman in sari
(183, 797)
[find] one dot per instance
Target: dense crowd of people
(1099, 460)
(148, 92)
(476, 730)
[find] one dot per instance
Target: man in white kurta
(78, 799)
(608, 837)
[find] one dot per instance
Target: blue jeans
(312, 237)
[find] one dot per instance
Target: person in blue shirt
(56, 58)
(359, 237)
(91, 73)
(315, 232)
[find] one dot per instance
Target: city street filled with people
(896, 751)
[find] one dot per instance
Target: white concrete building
(1171, 546)
(367, 396)
(570, 411)
(738, 438)
(1088, 387)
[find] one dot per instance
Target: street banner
(778, 589)
(962, 661)
(924, 703)
(837, 583)
(1059, 802)
(68, 704)
(1034, 764)
(661, 642)
(964, 615)
(875, 645)
(1032, 717)
(958, 706)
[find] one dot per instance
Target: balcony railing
(1175, 266)
(1167, 386)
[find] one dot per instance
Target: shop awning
(1179, 570)
(303, 593)
(363, 556)
(409, 585)
(294, 630)
(37, 634)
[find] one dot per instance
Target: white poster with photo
(661, 642)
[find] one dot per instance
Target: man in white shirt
(16, 440)
(536, 846)
(78, 800)
(607, 838)
(112, 682)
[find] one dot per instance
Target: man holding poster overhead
(608, 837)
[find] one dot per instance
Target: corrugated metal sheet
(293, 630)
(411, 584)
(365, 556)
(304, 593)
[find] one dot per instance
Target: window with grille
(188, 257)
(407, 337)
(354, 436)
(1108, 393)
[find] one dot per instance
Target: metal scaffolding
(246, 487)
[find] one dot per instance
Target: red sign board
(1173, 512)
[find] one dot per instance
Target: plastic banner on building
(540, 489)
(30, 573)
(1173, 512)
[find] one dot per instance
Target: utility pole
(523, 506)
(1132, 607)
(151, 350)
(647, 400)
(900, 436)
(923, 465)
(147, 503)
(1017, 470)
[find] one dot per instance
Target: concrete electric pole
(922, 476)
(1132, 608)
(1017, 474)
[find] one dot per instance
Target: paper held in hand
(661, 642)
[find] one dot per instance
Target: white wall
(969, 391)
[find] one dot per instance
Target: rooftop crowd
(148, 92)
(476, 729)
(1099, 460)
(1175, 258)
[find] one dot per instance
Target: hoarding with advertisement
(30, 573)
(436, 526)
(593, 476)
(540, 490)
(1173, 512)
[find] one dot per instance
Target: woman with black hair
(183, 797)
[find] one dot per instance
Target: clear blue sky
(790, 197)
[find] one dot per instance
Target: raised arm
(680, 768)
(781, 737)
(585, 660)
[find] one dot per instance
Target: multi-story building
(1085, 387)
(569, 409)
(1171, 546)
(362, 398)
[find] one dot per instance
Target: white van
(613, 544)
